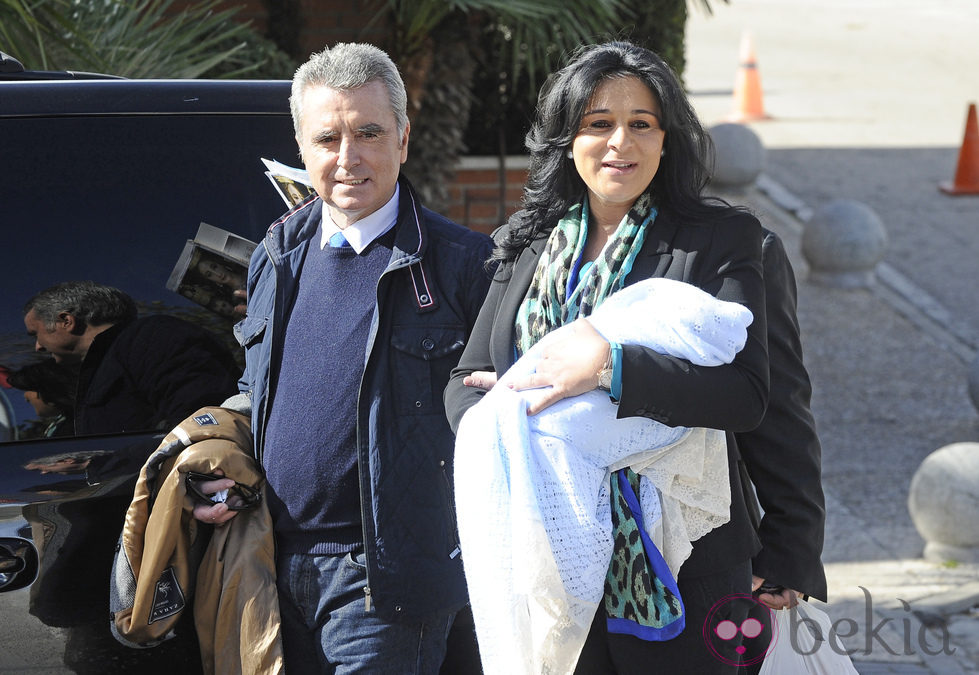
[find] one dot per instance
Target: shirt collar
(361, 233)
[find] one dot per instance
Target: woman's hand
(784, 599)
(218, 514)
(480, 379)
(569, 365)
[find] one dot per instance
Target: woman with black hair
(50, 389)
(614, 196)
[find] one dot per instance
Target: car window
(114, 198)
(107, 182)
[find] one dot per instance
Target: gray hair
(348, 65)
(92, 303)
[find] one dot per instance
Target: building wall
(474, 196)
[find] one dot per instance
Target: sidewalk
(867, 101)
(855, 341)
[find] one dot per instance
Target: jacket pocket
(423, 358)
(250, 330)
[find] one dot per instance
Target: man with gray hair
(134, 374)
(359, 304)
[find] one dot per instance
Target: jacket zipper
(456, 546)
(362, 467)
(363, 470)
(276, 268)
(398, 264)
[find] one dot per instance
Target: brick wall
(474, 196)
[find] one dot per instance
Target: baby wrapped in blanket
(532, 495)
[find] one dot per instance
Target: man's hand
(241, 308)
(786, 599)
(218, 514)
(569, 365)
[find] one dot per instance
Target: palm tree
(439, 44)
(446, 48)
(137, 38)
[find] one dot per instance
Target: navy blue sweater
(310, 453)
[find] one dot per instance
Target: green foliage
(661, 29)
(27, 29)
(445, 48)
(137, 38)
(508, 86)
(438, 123)
(533, 34)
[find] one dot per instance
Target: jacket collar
(411, 237)
(101, 344)
(300, 224)
(293, 231)
(296, 227)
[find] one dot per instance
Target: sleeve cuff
(615, 393)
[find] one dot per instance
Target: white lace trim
(532, 492)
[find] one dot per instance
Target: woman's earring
(662, 153)
(569, 154)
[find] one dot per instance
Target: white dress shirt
(361, 233)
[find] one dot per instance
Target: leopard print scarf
(641, 597)
(549, 302)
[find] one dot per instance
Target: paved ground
(868, 102)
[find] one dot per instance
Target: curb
(932, 614)
(897, 290)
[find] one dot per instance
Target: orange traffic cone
(967, 173)
(747, 87)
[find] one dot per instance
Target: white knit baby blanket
(532, 493)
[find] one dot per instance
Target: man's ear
(68, 321)
(404, 143)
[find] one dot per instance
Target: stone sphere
(944, 503)
(843, 242)
(974, 382)
(739, 156)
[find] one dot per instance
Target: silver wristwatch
(605, 374)
(605, 379)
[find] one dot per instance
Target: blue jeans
(325, 628)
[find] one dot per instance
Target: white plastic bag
(807, 651)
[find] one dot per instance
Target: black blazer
(722, 256)
(782, 455)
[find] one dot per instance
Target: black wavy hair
(553, 183)
(53, 382)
